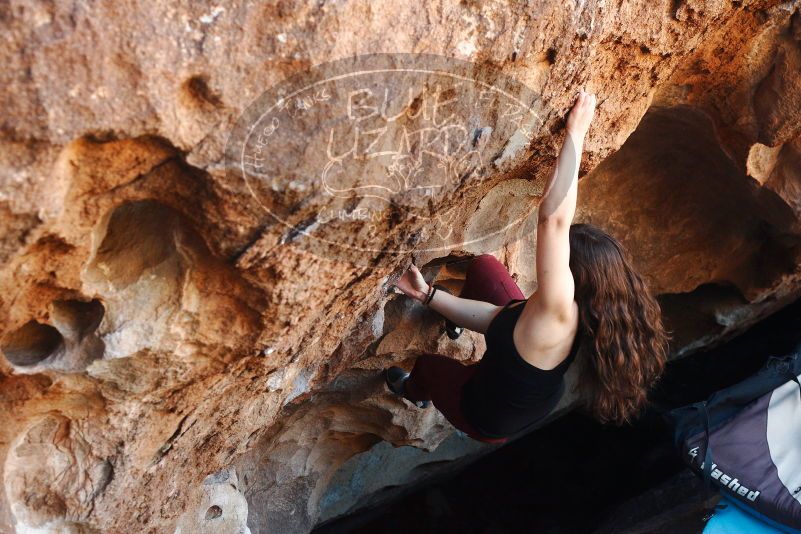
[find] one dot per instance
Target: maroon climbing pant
(439, 378)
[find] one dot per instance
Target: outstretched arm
(554, 280)
(471, 314)
(555, 288)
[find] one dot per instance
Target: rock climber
(588, 294)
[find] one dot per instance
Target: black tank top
(507, 394)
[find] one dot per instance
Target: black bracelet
(431, 296)
(428, 294)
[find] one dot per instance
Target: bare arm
(474, 315)
(471, 314)
(555, 282)
(555, 288)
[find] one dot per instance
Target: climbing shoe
(452, 330)
(395, 378)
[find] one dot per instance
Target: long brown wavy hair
(624, 320)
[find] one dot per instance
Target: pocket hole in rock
(32, 343)
(77, 317)
(195, 92)
(213, 512)
(139, 236)
(449, 271)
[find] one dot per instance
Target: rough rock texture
(174, 359)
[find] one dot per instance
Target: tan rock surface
(175, 360)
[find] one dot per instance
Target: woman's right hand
(412, 284)
(580, 116)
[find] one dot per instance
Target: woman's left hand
(412, 284)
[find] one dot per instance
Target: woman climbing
(587, 293)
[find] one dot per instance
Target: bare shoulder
(544, 335)
(559, 311)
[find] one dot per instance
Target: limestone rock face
(178, 358)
